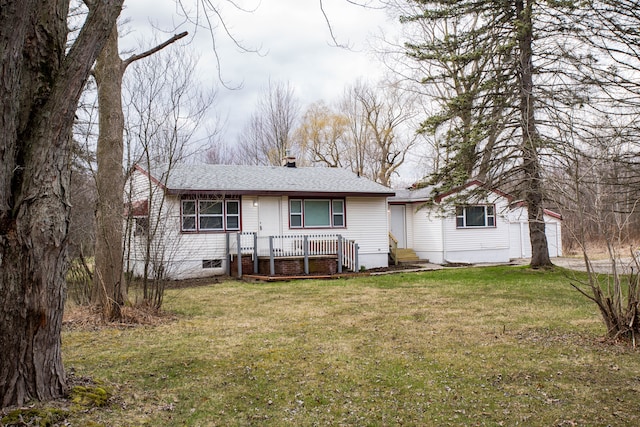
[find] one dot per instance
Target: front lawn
(470, 346)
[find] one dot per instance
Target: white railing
(245, 240)
(350, 255)
(310, 245)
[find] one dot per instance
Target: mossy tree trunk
(40, 86)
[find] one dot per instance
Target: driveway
(602, 266)
(624, 265)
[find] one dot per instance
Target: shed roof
(423, 194)
(409, 195)
(270, 180)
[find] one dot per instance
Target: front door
(397, 224)
(269, 216)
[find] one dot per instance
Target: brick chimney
(289, 161)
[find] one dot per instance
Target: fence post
(272, 264)
(339, 253)
(239, 241)
(255, 253)
(305, 249)
(357, 261)
(228, 252)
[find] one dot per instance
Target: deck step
(406, 255)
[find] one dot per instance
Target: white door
(519, 246)
(269, 216)
(397, 224)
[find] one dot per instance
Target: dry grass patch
(83, 317)
(490, 346)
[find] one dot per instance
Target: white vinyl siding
(368, 225)
(366, 222)
(194, 254)
(184, 254)
(426, 233)
(519, 234)
(438, 236)
(484, 237)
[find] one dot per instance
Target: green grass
(475, 346)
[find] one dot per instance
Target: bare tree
(219, 153)
(368, 131)
(386, 112)
(590, 182)
(42, 82)
(166, 105)
(322, 136)
(268, 136)
(81, 235)
(359, 131)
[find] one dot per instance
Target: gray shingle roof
(406, 195)
(237, 179)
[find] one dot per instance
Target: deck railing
(311, 245)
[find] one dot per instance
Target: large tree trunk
(530, 139)
(108, 290)
(39, 89)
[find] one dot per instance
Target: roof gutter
(179, 192)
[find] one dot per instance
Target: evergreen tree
(477, 62)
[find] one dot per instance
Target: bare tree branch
(150, 52)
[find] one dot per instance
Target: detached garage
(520, 246)
(469, 224)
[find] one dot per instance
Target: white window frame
(337, 214)
(193, 215)
(141, 225)
(333, 213)
(202, 215)
(197, 216)
(488, 215)
(228, 215)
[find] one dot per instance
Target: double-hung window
(188, 215)
(316, 213)
(210, 215)
(471, 216)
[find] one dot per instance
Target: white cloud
(296, 41)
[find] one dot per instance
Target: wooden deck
(266, 278)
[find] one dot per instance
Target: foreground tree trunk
(531, 167)
(40, 84)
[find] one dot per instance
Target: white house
(465, 225)
(204, 216)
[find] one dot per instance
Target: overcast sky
(296, 45)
